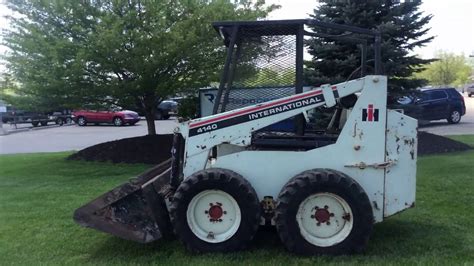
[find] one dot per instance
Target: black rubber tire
(229, 182)
(166, 117)
(81, 121)
(117, 121)
(450, 117)
(44, 123)
(158, 115)
(323, 180)
(35, 124)
(68, 120)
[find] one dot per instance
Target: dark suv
(433, 104)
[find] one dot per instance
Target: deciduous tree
(134, 51)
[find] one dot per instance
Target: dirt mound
(146, 149)
(156, 149)
(431, 144)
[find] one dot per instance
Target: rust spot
(347, 217)
(376, 206)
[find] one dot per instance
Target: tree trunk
(149, 104)
(150, 122)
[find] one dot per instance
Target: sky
(452, 23)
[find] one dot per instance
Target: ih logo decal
(370, 114)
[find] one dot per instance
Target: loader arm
(236, 126)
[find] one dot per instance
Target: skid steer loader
(231, 172)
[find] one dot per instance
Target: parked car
(118, 118)
(166, 108)
(433, 104)
(470, 90)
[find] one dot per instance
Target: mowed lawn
(39, 192)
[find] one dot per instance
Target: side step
(135, 210)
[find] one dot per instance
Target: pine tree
(403, 28)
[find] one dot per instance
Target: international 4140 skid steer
(235, 170)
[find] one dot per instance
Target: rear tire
(215, 210)
(35, 124)
(166, 117)
(44, 123)
(454, 117)
(323, 212)
(81, 121)
(158, 115)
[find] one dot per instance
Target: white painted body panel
(400, 179)
(359, 152)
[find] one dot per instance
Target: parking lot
(73, 137)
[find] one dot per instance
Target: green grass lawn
(39, 192)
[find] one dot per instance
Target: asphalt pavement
(73, 137)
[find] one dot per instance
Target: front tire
(323, 212)
(118, 122)
(81, 121)
(215, 210)
(454, 117)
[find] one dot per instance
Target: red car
(118, 118)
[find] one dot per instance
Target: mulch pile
(146, 149)
(156, 149)
(432, 144)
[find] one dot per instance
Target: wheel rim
(455, 116)
(117, 122)
(213, 216)
(324, 219)
(81, 121)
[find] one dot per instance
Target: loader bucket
(135, 210)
